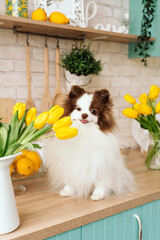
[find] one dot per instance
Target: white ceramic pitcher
(9, 217)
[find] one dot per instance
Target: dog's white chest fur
(87, 164)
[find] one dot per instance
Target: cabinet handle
(140, 226)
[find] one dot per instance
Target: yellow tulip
(154, 92)
(31, 115)
(158, 108)
(41, 120)
(130, 99)
(130, 113)
(143, 98)
(63, 122)
(20, 107)
(55, 115)
(53, 108)
(145, 109)
(137, 107)
(66, 133)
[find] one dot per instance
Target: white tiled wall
(120, 75)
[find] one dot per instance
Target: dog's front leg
(99, 191)
(66, 191)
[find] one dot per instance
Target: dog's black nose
(84, 115)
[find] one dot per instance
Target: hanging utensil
(46, 99)
(59, 96)
(6, 109)
(29, 101)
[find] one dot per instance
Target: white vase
(9, 217)
(73, 79)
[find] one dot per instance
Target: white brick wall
(120, 75)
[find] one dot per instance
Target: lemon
(11, 169)
(15, 161)
(34, 156)
(57, 17)
(25, 166)
(39, 14)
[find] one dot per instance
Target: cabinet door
(122, 226)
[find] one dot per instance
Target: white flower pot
(9, 217)
(73, 79)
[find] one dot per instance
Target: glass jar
(153, 153)
(17, 8)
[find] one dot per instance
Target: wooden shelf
(38, 27)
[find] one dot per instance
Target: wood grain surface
(44, 214)
(33, 26)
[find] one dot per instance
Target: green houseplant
(143, 43)
(80, 64)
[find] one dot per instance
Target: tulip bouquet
(26, 127)
(145, 113)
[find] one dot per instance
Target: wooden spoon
(46, 99)
(59, 96)
(6, 109)
(29, 101)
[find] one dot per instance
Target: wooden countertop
(44, 214)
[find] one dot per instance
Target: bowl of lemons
(27, 165)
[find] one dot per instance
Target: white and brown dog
(90, 163)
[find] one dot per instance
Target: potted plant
(80, 64)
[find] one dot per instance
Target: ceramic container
(9, 217)
(17, 8)
(73, 79)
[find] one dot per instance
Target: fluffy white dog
(90, 163)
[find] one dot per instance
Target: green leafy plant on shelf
(81, 61)
(143, 42)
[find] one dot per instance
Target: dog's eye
(93, 111)
(79, 109)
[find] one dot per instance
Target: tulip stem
(37, 134)
(25, 133)
(53, 135)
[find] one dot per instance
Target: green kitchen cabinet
(121, 226)
(135, 26)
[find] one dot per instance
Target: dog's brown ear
(76, 91)
(103, 95)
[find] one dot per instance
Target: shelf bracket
(16, 31)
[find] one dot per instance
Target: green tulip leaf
(36, 146)
(29, 146)
(3, 140)
(22, 121)
(6, 125)
(12, 148)
(13, 131)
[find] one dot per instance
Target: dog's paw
(66, 192)
(96, 196)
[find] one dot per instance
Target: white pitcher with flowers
(24, 129)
